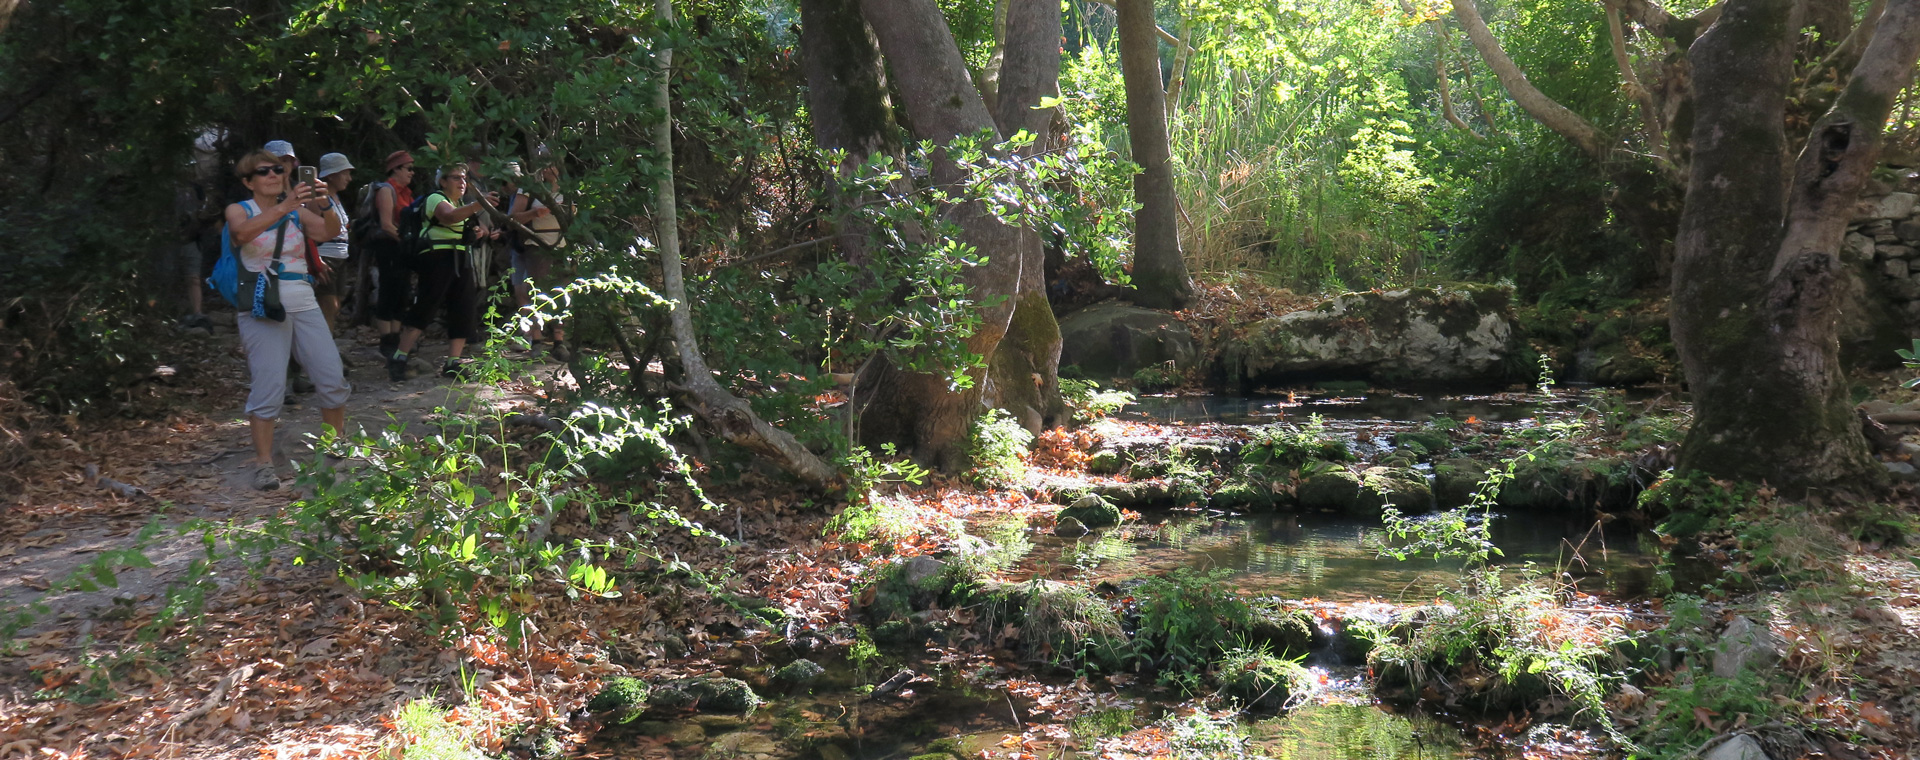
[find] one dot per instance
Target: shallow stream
(1304, 558)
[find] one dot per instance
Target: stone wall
(1882, 249)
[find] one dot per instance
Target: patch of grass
(423, 730)
(1258, 680)
(1496, 646)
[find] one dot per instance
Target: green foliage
(1281, 446)
(1157, 378)
(465, 516)
(1257, 679)
(1910, 358)
(1089, 402)
(1187, 620)
(424, 730)
(1522, 632)
(998, 446)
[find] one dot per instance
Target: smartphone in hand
(310, 175)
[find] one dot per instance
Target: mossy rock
(1092, 511)
(620, 700)
(1059, 623)
(899, 589)
(1245, 496)
(1258, 680)
(1333, 489)
(799, 672)
(708, 694)
(1403, 489)
(1290, 633)
(1105, 462)
(1456, 480)
(894, 633)
(1423, 443)
(1146, 469)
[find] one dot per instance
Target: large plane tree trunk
(1160, 278)
(922, 412)
(1025, 370)
(847, 102)
(1757, 269)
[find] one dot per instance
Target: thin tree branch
(1546, 110)
(730, 415)
(1649, 113)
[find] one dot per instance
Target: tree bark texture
(1757, 262)
(1160, 275)
(1025, 368)
(848, 103)
(920, 412)
(729, 415)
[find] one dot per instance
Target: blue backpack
(229, 277)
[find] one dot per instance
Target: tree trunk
(847, 101)
(1025, 369)
(1159, 270)
(1757, 267)
(729, 415)
(921, 412)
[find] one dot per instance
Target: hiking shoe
(560, 352)
(454, 368)
(396, 369)
(191, 321)
(389, 343)
(265, 479)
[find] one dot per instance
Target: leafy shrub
(1187, 619)
(1157, 378)
(1258, 679)
(467, 515)
(1088, 402)
(999, 448)
(1282, 447)
(1521, 637)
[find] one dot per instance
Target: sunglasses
(262, 171)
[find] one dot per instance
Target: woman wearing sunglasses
(269, 236)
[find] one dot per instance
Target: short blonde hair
(244, 167)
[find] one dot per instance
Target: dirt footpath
(190, 465)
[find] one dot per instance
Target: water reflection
(1337, 559)
(1257, 410)
(1353, 732)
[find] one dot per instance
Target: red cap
(398, 159)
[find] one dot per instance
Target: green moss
(799, 672)
(1105, 463)
(1334, 489)
(620, 700)
(1290, 633)
(1092, 511)
(1403, 489)
(1423, 443)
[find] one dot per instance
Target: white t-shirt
(337, 247)
(257, 256)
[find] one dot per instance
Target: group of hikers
(287, 256)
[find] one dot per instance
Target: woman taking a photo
(269, 237)
(446, 276)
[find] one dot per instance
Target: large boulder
(1457, 335)
(1109, 340)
